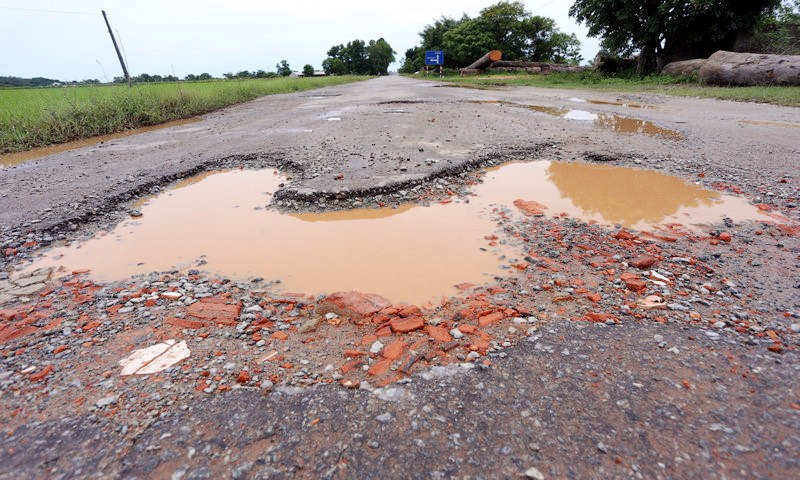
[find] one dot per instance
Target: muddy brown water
(411, 253)
(10, 159)
(614, 122)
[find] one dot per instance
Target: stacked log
(479, 65)
(534, 67)
(684, 67)
(732, 68)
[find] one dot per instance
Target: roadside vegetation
(686, 86)
(36, 117)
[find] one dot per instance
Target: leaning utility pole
(119, 55)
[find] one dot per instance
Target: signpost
(434, 57)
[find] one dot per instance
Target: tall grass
(42, 116)
(689, 86)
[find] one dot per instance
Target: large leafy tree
(666, 30)
(359, 58)
(504, 26)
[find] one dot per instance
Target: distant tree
(508, 27)
(190, 78)
(244, 74)
(228, 76)
(776, 34)
(432, 37)
(308, 70)
(665, 30)
(379, 56)
(261, 74)
(283, 68)
(204, 76)
(334, 66)
(359, 58)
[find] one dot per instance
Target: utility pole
(119, 55)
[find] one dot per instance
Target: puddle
(11, 159)
(410, 253)
(617, 123)
(607, 102)
(767, 123)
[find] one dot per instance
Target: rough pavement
(602, 354)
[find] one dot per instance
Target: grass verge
(678, 86)
(37, 117)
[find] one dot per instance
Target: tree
(508, 27)
(359, 58)
(504, 26)
(379, 56)
(776, 34)
(666, 30)
(204, 76)
(283, 68)
(308, 70)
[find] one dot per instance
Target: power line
(46, 11)
(542, 6)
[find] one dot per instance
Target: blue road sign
(434, 57)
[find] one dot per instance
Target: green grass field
(679, 86)
(35, 117)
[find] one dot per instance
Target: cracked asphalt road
(573, 399)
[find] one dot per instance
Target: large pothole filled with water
(221, 222)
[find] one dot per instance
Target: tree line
(359, 58)
(504, 26)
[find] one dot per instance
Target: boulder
(684, 67)
(733, 68)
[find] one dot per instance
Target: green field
(35, 117)
(679, 86)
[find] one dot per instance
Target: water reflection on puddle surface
(617, 123)
(410, 253)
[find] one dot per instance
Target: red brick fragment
(355, 305)
(405, 325)
(10, 332)
(354, 353)
(439, 334)
(643, 261)
(600, 317)
(243, 377)
(490, 318)
(530, 207)
(635, 284)
(60, 349)
(41, 374)
(725, 237)
(184, 323)
(380, 367)
(394, 350)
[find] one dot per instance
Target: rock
(155, 358)
(107, 401)
(534, 473)
(309, 325)
(355, 305)
(733, 68)
(683, 67)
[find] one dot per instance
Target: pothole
(219, 222)
(617, 123)
(609, 102)
(11, 159)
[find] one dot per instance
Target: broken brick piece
(184, 323)
(440, 334)
(405, 325)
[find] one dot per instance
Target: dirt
(601, 353)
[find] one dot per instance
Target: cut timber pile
(534, 67)
(479, 65)
(492, 61)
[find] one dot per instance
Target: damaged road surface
(602, 340)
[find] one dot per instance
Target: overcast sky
(67, 39)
